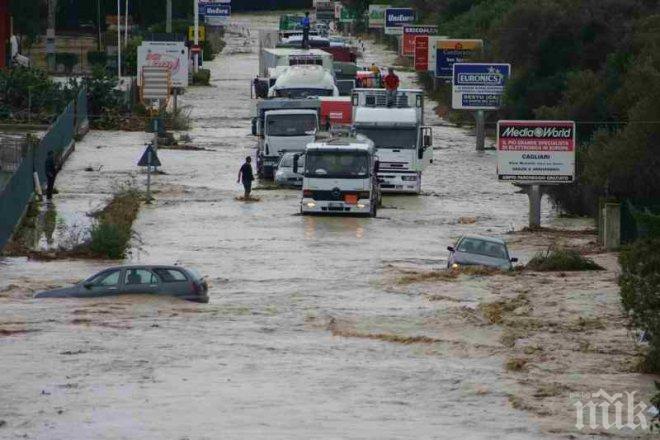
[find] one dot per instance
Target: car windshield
(287, 161)
(403, 138)
(337, 164)
(292, 125)
(303, 93)
(482, 247)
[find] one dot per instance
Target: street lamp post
(119, 39)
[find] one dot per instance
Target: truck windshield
(292, 125)
(403, 138)
(303, 93)
(336, 164)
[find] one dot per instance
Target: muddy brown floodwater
(280, 351)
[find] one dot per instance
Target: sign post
(149, 159)
(479, 87)
(533, 153)
(196, 35)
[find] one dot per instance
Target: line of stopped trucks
(323, 124)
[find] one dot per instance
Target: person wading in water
(245, 174)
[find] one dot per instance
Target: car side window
(171, 275)
(108, 279)
(139, 276)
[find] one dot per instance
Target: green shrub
(640, 292)
(561, 260)
(202, 77)
(109, 240)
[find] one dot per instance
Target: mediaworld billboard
(536, 151)
(397, 18)
(377, 16)
(479, 86)
(169, 54)
(452, 51)
(412, 31)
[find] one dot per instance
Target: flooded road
(260, 360)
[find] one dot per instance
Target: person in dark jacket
(51, 172)
(245, 174)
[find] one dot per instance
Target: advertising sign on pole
(217, 14)
(191, 33)
(348, 15)
(479, 86)
(433, 50)
(396, 18)
(170, 54)
(536, 152)
(449, 52)
(377, 16)
(422, 53)
(411, 32)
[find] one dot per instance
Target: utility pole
(481, 130)
(119, 39)
(98, 24)
(126, 25)
(196, 55)
(50, 34)
(168, 25)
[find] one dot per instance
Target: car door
(175, 282)
(105, 283)
(140, 281)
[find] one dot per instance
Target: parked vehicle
(285, 176)
(154, 280)
(404, 144)
(474, 250)
(303, 81)
(340, 177)
(283, 125)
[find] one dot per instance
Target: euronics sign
(536, 151)
(397, 18)
(479, 86)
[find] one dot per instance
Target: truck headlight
(360, 205)
(311, 204)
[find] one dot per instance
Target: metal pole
(29, 105)
(481, 130)
(126, 25)
(149, 176)
(119, 39)
(534, 195)
(98, 22)
(168, 25)
(176, 99)
(196, 55)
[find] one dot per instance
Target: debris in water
(247, 200)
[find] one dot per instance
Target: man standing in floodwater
(51, 173)
(245, 174)
(306, 25)
(391, 86)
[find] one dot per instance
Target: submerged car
(156, 280)
(285, 176)
(474, 250)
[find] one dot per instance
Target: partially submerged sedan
(474, 250)
(125, 280)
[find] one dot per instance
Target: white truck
(302, 82)
(340, 177)
(403, 143)
(283, 125)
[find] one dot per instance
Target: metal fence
(18, 191)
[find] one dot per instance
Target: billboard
(396, 18)
(422, 53)
(348, 15)
(479, 86)
(377, 16)
(449, 52)
(409, 34)
(536, 151)
(170, 54)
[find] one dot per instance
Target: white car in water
(285, 175)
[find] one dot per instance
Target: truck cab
(403, 143)
(340, 177)
(283, 125)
